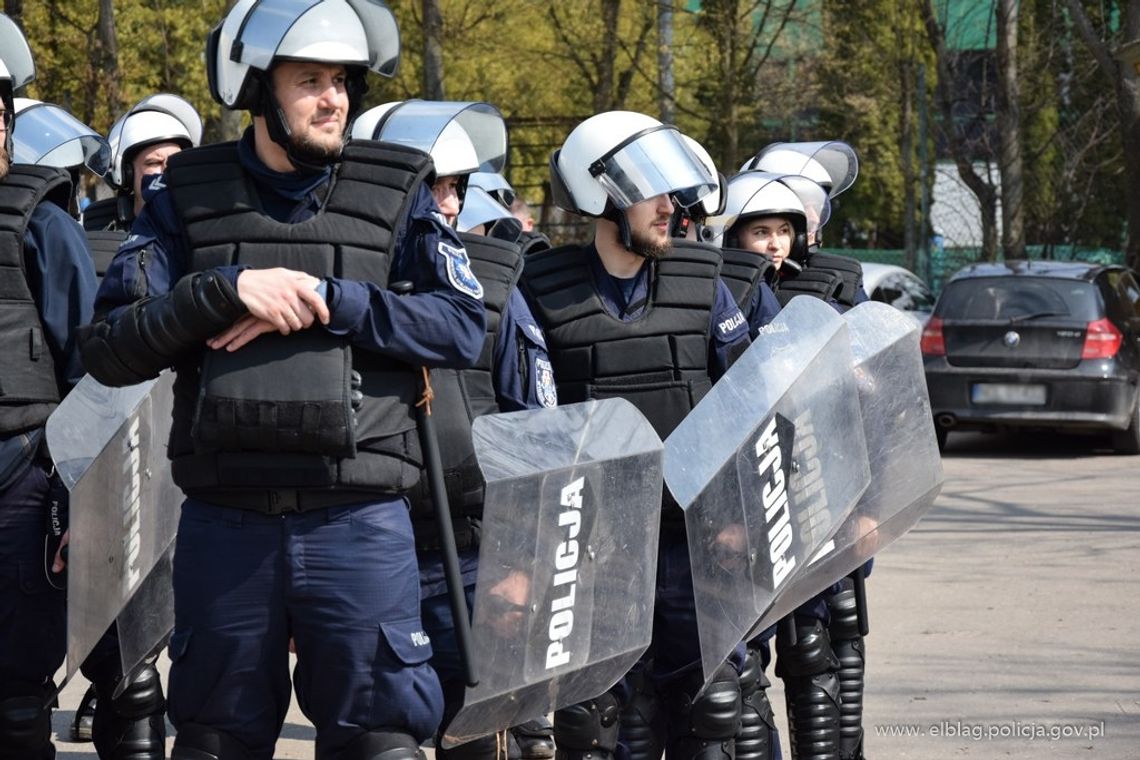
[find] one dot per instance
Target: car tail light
(933, 343)
(1102, 340)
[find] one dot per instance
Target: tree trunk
(433, 50)
(982, 190)
(1009, 130)
(667, 96)
(906, 154)
(106, 59)
(15, 10)
(604, 97)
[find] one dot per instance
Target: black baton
(858, 578)
(430, 447)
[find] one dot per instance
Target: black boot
(84, 717)
(535, 739)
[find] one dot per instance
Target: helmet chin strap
(625, 234)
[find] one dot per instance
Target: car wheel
(1128, 441)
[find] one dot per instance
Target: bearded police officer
(626, 315)
(261, 275)
(513, 371)
(48, 288)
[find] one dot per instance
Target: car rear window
(1011, 297)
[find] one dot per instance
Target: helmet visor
(657, 162)
(817, 204)
(15, 57)
(479, 208)
(47, 135)
(421, 123)
(837, 158)
(495, 184)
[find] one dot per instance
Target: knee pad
(381, 745)
(756, 738)
(587, 730)
(195, 742)
(642, 721)
(483, 748)
(844, 611)
(704, 727)
(810, 655)
(132, 726)
(25, 729)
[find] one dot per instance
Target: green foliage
(747, 72)
(161, 44)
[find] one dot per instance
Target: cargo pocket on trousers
(408, 640)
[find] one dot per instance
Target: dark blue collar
(294, 186)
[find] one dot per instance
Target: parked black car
(1037, 344)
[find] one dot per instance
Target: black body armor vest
(29, 388)
(463, 395)
(104, 244)
(849, 271)
(301, 411)
(107, 214)
(742, 272)
(658, 362)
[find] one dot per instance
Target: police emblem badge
(544, 383)
(459, 272)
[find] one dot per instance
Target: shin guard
(850, 650)
(811, 690)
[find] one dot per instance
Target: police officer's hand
(279, 300)
(60, 564)
(282, 297)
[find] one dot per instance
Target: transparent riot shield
(109, 446)
(906, 468)
(767, 467)
(568, 556)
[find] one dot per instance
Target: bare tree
(744, 33)
(105, 58)
(982, 188)
(1125, 82)
(1009, 132)
(598, 66)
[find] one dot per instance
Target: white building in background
(954, 211)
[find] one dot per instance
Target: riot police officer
(261, 273)
(833, 165)
(628, 315)
(49, 287)
(141, 140)
(513, 371)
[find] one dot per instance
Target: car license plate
(1008, 393)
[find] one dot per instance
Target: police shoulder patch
(544, 383)
(459, 272)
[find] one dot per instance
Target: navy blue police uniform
(672, 663)
(48, 289)
(320, 539)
